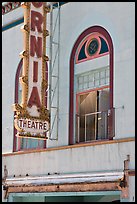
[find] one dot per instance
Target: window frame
(83, 35)
(87, 40)
(86, 92)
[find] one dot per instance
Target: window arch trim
(86, 41)
(85, 33)
(16, 100)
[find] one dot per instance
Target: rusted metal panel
(110, 186)
(58, 179)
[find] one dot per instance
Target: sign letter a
(34, 98)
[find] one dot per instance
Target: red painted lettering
(35, 71)
(36, 21)
(34, 98)
(35, 46)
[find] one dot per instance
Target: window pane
(92, 119)
(87, 105)
(91, 77)
(96, 75)
(90, 127)
(85, 86)
(96, 83)
(102, 81)
(91, 84)
(85, 79)
(107, 72)
(95, 78)
(80, 80)
(102, 74)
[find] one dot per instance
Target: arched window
(91, 114)
(24, 143)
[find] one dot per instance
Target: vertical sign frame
(32, 117)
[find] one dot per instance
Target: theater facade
(68, 101)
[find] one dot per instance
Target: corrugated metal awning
(65, 179)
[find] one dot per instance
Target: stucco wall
(109, 16)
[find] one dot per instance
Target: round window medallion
(92, 47)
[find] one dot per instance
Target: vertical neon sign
(32, 117)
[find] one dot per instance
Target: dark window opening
(104, 47)
(82, 54)
(93, 117)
